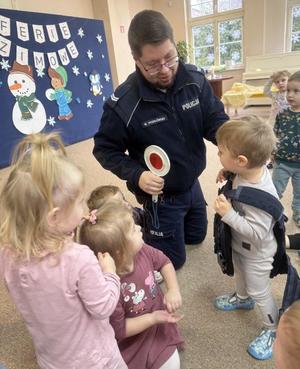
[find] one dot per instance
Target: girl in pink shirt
(63, 292)
(145, 318)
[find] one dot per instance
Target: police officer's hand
(151, 183)
(222, 205)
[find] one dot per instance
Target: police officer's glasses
(156, 68)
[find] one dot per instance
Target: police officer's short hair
(148, 27)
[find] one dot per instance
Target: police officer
(171, 105)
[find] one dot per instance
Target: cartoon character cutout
(28, 114)
(129, 293)
(150, 281)
(95, 83)
(59, 80)
(138, 301)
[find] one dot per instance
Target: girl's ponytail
(41, 178)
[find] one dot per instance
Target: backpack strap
(271, 205)
(257, 198)
(292, 287)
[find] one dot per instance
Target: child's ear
(242, 161)
(53, 217)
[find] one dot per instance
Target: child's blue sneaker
(233, 302)
(261, 348)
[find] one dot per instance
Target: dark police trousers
(176, 220)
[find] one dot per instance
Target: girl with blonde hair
(63, 292)
(145, 318)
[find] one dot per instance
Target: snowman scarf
(27, 104)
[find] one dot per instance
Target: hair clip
(92, 217)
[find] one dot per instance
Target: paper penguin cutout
(28, 114)
(95, 83)
(63, 97)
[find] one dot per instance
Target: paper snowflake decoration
(197, 52)
(51, 121)
(236, 34)
(80, 32)
(99, 38)
(40, 72)
(235, 56)
(107, 77)
(209, 39)
(89, 104)
(296, 12)
(295, 37)
(222, 29)
(75, 70)
(210, 58)
(223, 49)
(90, 54)
(4, 64)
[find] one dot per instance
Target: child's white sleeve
(254, 226)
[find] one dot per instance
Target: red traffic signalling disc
(157, 160)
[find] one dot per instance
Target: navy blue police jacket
(178, 120)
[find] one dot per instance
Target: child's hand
(272, 76)
(222, 176)
(163, 316)
(172, 300)
(222, 205)
(106, 262)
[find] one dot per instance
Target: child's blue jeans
(281, 175)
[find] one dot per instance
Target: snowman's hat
(20, 68)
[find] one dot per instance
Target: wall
(275, 26)
(101, 11)
(117, 16)
(136, 6)
(264, 24)
(119, 20)
(78, 8)
(175, 12)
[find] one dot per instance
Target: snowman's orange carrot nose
(15, 86)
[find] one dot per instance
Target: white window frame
(291, 4)
(216, 18)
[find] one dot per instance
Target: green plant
(184, 51)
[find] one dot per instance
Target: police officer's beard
(159, 84)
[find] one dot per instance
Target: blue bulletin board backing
(54, 75)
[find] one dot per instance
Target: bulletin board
(54, 75)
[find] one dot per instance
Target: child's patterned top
(287, 130)
(279, 102)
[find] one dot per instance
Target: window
(293, 25)
(216, 31)
(295, 29)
